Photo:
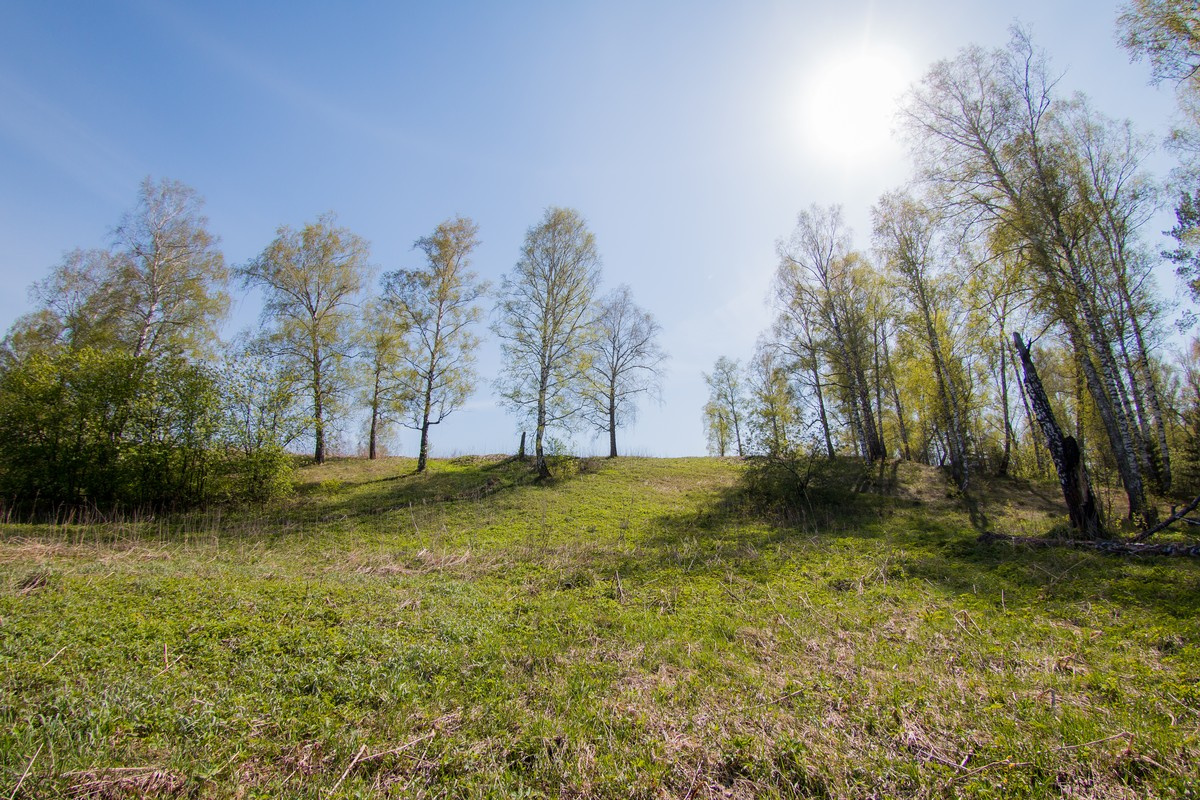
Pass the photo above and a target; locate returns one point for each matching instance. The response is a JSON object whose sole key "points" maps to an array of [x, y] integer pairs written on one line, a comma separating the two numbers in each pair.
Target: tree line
{"points": [[117, 390], [1026, 215]]}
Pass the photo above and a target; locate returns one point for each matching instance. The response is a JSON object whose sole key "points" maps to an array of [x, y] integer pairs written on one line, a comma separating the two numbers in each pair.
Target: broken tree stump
{"points": [[1082, 508]]}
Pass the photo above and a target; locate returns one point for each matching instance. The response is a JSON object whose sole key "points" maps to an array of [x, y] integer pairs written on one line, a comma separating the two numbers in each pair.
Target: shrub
{"points": [[106, 429]]}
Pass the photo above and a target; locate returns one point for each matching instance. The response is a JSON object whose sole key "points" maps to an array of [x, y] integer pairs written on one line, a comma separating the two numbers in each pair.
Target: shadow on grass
{"points": [[772, 506], [353, 494], [914, 518]]}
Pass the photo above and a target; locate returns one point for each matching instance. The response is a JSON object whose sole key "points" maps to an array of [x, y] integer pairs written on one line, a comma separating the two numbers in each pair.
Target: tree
{"points": [[817, 268], [260, 398], [311, 279], [171, 276], [717, 430], [544, 321], [381, 358], [1167, 32], [726, 408], [1186, 232], [261, 406], [1084, 510], [76, 307], [998, 150], [795, 331], [158, 290], [774, 415], [437, 307], [105, 429], [626, 361], [907, 237], [997, 295]]}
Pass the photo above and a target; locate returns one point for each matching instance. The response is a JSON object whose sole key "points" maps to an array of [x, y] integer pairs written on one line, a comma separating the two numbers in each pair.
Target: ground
{"points": [[632, 628]]}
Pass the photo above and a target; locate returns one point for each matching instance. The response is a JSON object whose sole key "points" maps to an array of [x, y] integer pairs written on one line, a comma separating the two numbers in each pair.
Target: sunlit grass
{"points": [[634, 628]]}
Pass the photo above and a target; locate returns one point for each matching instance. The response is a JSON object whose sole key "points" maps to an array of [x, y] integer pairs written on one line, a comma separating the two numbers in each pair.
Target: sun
{"points": [[850, 103]]}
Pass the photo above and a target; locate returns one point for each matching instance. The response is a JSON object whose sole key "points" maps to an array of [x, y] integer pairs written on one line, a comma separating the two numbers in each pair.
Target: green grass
{"points": [[634, 628]]}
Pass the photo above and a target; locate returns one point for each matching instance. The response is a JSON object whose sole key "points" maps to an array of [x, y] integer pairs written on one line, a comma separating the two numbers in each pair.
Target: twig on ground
{"points": [[695, 778], [25, 774], [1121, 735], [168, 666], [47, 662], [1007, 762], [353, 762], [400, 749], [1128, 547], [360, 758]]}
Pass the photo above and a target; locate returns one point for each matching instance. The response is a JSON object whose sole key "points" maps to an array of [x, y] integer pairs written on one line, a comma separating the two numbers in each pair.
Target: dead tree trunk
{"points": [[1082, 507]]}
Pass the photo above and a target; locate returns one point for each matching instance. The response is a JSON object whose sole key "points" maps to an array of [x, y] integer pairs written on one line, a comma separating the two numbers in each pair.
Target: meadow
{"points": [[632, 628]]}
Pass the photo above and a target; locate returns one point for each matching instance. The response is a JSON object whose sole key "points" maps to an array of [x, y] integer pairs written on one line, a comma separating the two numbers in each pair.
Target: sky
{"points": [[689, 134]]}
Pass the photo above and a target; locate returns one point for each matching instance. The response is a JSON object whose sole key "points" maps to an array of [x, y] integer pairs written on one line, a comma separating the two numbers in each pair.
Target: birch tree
{"points": [[170, 274], [626, 362], [381, 357], [544, 323], [907, 239], [311, 279], [438, 306], [157, 290], [989, 137], [725, 411], [817, 268]]}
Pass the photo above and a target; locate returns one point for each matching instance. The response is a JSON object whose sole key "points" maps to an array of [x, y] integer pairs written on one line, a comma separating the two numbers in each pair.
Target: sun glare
{"points": [[850, 103]]}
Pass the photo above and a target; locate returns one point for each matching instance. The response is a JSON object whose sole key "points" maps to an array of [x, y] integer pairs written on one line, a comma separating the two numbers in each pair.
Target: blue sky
{"points": [[684, 132]]}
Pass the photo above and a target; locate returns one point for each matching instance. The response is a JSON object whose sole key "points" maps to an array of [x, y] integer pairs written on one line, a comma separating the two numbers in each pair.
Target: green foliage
{"points": [[258, 476], [544, 323], [774, 420], [311, 278], [158, 290], [1167, 33], [381, 367], [435, 310], [106, 429], [725, 411], [1185, 233]]}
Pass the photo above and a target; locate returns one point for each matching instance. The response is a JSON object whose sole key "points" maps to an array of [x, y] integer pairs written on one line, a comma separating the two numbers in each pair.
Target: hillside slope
{"points": [[637, 628]]}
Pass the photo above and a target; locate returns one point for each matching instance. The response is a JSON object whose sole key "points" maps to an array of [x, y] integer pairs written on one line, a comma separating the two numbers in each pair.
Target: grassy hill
{"points": [[635, 628]]}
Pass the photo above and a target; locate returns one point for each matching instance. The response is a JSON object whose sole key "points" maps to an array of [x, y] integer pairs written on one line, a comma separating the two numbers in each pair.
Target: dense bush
{"points": [[256, 476], [104, 429]]}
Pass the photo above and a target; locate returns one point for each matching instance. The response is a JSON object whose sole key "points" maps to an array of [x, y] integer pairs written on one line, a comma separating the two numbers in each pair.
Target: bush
{"points": [[257, 476], [107, 430]]}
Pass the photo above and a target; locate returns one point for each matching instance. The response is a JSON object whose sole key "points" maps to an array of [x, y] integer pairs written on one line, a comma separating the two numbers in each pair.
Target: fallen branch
{"points": [[695, 779], [1126, 547], [168, 666], [359, 758], [1007, 762], [50, 660], [106, 770], [1178, 515]]}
